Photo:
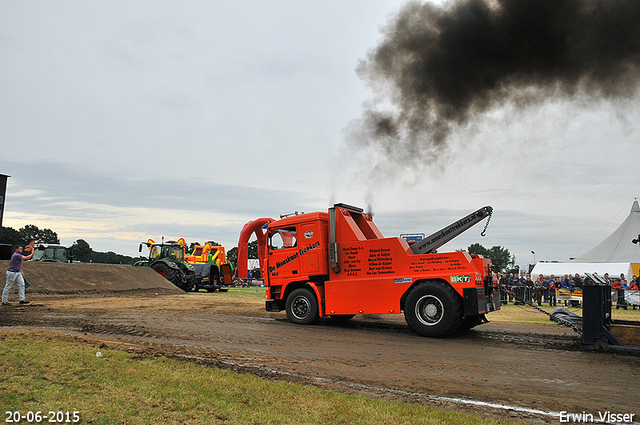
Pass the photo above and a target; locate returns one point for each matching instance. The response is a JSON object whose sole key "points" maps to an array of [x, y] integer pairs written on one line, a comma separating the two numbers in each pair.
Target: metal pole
{"points": [[3, 192]]}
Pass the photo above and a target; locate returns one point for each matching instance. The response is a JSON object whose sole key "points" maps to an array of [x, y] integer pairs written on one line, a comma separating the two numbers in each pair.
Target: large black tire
{"points": [[192, 283], [162, 269], [302, 307], [168, 273], [433, 309]]}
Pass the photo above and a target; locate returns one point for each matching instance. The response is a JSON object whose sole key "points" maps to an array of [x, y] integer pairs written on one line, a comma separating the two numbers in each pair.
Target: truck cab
{"points": [[297, 248]]}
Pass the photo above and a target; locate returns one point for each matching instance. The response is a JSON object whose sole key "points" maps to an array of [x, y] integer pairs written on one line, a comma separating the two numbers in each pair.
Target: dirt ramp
{"points": [[58, 278]]}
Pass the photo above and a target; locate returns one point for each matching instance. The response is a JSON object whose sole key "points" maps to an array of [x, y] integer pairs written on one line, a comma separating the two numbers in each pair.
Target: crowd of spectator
{"points": [[621, 285], [522, 289]]}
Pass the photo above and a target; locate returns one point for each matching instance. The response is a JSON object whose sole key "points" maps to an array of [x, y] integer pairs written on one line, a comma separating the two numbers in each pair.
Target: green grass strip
{"points": [[50, 372]]}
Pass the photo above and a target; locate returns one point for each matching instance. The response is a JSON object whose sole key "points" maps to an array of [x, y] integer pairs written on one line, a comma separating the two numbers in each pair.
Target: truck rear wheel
{"points": [[302, 307], [433, 309]]}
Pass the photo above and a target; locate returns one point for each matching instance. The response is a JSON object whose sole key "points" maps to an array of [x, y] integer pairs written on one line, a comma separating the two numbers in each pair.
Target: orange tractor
{"points": [[338, 264]]}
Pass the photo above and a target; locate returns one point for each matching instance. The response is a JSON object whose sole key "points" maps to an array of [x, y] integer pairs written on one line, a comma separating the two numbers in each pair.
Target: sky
{"points": [[124, 121]]}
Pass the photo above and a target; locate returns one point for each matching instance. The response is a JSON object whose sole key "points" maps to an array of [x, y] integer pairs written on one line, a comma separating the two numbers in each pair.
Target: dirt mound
{"points": [[59, 278]]}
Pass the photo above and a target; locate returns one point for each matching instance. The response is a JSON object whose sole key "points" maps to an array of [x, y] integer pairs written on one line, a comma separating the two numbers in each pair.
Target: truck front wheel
{"points": [[302, 307], [433, 309]]}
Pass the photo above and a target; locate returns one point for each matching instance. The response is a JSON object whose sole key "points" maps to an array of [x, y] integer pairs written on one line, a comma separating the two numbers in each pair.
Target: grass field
{"points": [[56, 374], [249, 292], [61, 375]]}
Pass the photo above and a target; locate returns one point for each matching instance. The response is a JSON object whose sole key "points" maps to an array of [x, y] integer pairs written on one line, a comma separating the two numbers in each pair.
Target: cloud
{"points": [[79, 203], [441, 68]]}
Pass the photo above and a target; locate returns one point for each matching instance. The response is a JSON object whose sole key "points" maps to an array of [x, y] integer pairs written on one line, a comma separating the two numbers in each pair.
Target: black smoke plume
{"points": [[439, 67]]}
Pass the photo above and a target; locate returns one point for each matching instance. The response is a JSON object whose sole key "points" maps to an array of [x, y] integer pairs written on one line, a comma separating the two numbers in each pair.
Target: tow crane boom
{"points": [[444, 235]]}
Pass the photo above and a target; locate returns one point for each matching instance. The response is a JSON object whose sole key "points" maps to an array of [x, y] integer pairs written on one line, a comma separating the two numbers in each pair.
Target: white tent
{"points": [[560, 269], [617, 248]]}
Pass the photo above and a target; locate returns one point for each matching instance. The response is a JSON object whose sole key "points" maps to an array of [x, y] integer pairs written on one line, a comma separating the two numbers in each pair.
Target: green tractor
{"points": [[167, 259], [52, 253]]}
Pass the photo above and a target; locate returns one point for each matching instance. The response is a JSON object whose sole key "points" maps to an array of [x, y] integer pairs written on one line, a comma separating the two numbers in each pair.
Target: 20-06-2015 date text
{"points": [[41, 417]]}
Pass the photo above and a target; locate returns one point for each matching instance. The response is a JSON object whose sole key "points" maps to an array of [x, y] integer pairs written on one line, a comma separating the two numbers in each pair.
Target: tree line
{"points": [[82, 251], [79, 251], [502, 261], [26, 234]]}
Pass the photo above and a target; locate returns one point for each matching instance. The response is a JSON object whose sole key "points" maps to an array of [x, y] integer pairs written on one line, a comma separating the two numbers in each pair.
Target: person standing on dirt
{"points": [[552, 292], [530, 291], [621, 286], [539, 289], [512, 283], [545, 288], [502, 279], [14, 274], [565, 284]]}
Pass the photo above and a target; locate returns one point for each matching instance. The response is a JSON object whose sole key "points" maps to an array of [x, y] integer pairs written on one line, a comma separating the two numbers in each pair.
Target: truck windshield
{"points": [[51, 253], [38, 255], [61, 255], [174, 252], [283, 238]]}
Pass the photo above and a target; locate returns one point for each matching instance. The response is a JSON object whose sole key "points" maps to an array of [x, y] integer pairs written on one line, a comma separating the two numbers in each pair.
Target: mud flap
{"points": [[227, 273], [473, 301], [274, 305]]}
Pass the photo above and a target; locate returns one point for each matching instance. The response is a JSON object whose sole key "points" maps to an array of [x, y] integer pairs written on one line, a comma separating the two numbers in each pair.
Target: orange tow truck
{"points": [[338, 264]]}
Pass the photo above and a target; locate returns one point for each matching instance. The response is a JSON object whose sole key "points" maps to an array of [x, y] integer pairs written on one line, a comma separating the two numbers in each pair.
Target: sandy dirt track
{"points": [[535, 367]]}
